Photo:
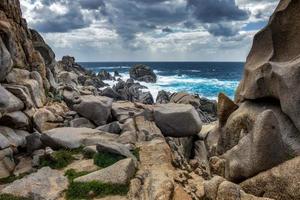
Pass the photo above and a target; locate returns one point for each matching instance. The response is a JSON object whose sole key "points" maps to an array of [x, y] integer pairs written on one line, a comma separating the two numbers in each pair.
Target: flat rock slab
{"points": [[72, 138], [119, 173], [46, 184], [82, 166]]}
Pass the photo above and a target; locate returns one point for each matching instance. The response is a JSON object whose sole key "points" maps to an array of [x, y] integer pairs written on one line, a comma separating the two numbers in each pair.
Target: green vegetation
{"points": [[93, 189], [104, 160], [60, 159], [136, 153], [11, 197], [72, 174], [11, 179]]}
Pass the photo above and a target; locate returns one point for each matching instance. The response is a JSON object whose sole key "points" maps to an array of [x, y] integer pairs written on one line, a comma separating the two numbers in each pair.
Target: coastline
{"points": [[63, 138]]}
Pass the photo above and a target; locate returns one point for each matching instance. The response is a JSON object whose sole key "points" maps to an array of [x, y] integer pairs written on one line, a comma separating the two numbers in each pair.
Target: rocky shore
{"points": [[64, 134]]}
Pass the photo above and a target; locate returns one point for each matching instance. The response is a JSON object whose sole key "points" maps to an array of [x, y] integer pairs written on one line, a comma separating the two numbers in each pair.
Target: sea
{"points": [[207, 79]]}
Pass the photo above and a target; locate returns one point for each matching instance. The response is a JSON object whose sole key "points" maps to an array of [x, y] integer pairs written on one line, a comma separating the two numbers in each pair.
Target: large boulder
{"points": [[45, 184], [272, 68], [281, 182], [118, 173], [44, 120], [114, 148], [16, 120], [95, 108], [142, 73], [177, 120], [73, 138], [9, 102]]}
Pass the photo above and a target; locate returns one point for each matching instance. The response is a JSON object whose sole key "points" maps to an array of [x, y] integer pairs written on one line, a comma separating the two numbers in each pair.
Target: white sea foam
{"points": [[202, 86]]}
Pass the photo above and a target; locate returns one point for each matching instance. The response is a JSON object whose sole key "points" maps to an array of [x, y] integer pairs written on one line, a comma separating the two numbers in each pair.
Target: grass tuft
{"points": [[90, 190], [12, 178], [58, 159], [72, 174], [104, 160], [136, 153], [11, 197]]}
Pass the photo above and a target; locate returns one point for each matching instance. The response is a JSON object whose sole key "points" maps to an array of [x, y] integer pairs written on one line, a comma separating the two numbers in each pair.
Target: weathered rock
{"points": [[24, 166], [68, 78], [104, 75], [44, 49], [146, 98], [5, 60], [81, 123], [46, 184], [142, 73], [259, 150], [96, 109], [144, 129], [163, 97], [272, 67], [72, 138], [114, 148], [82, 166], [15, 138], [121, 110], [45, 120], [37, 95], [16, 120], [6, 162], [242, 121], [33, 142], [8, 102], [22, 93], [225, 108], [154, 179], [185, 98], [177, 120], [281, 182], [118, 173], [113, 127]]}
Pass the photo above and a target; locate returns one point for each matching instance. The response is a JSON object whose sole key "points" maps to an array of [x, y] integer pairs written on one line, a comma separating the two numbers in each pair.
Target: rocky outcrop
{"points": [[281, 182], [72, 138], [142, 73], [46, 184], [272, 68]]}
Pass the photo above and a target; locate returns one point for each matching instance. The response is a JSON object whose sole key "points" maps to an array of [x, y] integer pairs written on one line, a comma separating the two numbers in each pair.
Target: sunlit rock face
{"points": [[273, 65]]}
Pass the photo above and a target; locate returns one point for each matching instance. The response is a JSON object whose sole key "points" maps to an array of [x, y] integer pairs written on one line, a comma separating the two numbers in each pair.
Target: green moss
{"points": [[11, 179], [72, 174], [11, 197], [93, 189], [136, 153], [58, 159], [104, 160]]}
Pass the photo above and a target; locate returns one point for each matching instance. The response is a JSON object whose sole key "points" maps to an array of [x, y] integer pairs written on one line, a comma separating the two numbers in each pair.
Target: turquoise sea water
{"points": [[204, 78]]}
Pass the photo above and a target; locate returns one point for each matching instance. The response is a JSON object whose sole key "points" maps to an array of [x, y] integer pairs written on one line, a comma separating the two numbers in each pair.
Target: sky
{"points": [[149, 30]]}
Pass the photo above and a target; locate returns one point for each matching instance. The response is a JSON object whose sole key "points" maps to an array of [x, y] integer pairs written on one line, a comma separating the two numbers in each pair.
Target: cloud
{"points": [[212, 11], [148, 29]]}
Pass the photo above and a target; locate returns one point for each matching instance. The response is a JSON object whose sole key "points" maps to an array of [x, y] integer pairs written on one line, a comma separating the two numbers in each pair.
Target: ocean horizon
{"points": [[207, 79]]}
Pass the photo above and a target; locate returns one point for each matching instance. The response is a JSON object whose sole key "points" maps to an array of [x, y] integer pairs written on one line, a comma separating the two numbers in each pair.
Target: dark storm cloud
{"points": [[214, 11], [72, 19], [131, 17]]}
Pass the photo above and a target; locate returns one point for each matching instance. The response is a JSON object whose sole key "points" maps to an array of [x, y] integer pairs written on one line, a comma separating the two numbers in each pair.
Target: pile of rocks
{"points": [[48, 106]]}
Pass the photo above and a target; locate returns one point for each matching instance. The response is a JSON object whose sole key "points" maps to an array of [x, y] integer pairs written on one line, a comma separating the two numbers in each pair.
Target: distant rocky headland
{"points": [[64, 134]]}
